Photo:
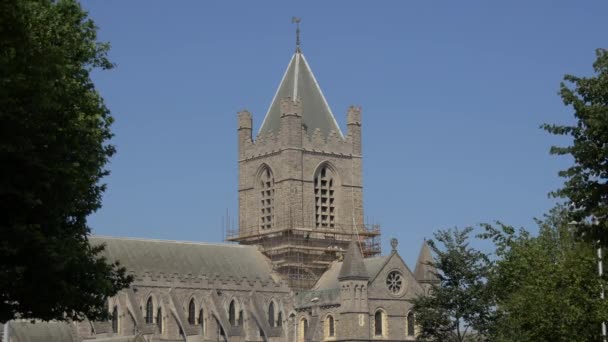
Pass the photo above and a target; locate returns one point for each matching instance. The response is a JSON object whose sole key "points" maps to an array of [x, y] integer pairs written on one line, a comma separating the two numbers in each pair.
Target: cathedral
{"points": [[302, 265]]}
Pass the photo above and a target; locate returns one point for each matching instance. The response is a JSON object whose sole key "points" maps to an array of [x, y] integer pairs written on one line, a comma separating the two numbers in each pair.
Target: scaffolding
{"points": [[301, 252]]}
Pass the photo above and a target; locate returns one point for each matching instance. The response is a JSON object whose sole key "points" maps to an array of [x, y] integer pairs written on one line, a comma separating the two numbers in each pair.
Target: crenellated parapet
{"points": [[293, 133]]}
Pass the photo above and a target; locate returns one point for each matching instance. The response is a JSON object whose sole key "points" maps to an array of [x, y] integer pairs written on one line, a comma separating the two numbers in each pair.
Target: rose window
{"points": [[394, 282]]}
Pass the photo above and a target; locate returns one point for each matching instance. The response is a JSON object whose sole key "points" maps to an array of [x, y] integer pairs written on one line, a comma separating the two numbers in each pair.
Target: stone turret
{"points": [[245, 124], [291, 123], [353, 279], [353, 121]]}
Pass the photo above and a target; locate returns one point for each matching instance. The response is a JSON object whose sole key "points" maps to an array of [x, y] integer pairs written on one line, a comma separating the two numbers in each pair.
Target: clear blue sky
{"points": [[453, 93]]}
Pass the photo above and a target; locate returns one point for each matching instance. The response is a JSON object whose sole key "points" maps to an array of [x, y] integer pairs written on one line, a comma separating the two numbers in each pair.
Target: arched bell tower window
{"points": [[325, 206], [266, 198]]}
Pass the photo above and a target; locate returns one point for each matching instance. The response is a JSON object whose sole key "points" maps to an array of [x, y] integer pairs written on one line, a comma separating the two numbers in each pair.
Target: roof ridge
{"points": [[219, 244]]}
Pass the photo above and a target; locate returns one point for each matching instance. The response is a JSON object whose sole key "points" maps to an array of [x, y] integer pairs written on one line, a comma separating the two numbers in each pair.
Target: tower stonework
{"points": [[300, 180]]}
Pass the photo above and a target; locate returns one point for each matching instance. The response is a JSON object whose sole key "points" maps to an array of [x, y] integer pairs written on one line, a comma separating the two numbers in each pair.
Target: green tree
{"points": [[459, 308], [546, 287], [54, 132], [586, 185]]}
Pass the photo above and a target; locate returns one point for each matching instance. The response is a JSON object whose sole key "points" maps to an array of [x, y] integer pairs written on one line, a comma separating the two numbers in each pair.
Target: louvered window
{"points": [[266, 199], [325, 206]]}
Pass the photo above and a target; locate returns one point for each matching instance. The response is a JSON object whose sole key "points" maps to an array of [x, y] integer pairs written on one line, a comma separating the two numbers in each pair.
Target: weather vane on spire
{"points": [[297, 20]]}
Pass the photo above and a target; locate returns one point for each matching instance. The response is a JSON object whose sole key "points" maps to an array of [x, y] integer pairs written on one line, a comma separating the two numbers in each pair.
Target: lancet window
{"points": [[325, 206], [266, 199]]}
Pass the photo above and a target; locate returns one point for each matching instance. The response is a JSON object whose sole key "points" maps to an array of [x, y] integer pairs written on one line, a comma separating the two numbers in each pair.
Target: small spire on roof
{"points": [[353, 266], [297, 20], [425, 271]]}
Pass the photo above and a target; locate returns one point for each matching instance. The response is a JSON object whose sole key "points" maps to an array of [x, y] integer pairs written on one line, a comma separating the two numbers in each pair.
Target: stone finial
{"points": [[291, 106], [394, 243]]}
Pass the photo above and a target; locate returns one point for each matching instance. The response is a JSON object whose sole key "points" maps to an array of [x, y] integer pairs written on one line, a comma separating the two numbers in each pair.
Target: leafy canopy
{"points": [[460, 307], [546, 287], [54, 132], [586, 185]]}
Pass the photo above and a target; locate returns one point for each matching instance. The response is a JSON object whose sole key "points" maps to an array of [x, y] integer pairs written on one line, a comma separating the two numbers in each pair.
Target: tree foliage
{"points": [[460, 307], [54, 132], [586, 185], [546, 287]]}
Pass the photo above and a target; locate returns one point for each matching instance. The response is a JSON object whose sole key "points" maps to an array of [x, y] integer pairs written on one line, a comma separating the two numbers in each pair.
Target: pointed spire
{"points": [[425, 272], [299, 82], [353, 266]]}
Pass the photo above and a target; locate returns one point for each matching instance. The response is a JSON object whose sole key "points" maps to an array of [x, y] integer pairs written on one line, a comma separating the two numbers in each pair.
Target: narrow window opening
{"points": [[378, 323], [324, 198], [159, 320], [149, 311], [271, 314], [411, 330], [331, 327], [232, 313], [191, 312], [267, 201]]}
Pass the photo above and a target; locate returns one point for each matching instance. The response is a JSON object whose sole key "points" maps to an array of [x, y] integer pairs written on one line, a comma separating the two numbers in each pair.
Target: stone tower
{"points": [[300, 180]]}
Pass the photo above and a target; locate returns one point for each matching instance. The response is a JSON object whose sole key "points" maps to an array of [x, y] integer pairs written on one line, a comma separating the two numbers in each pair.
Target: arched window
{"points": [[379, 323], [159, 320], [325, 206], [115, 320], [241, 317], [271, 314], [280, 319], [411, 324], [232, 313], [191, 312], [302, 329], [149, 311], [201, 320], [330, 326], [266, 199]]}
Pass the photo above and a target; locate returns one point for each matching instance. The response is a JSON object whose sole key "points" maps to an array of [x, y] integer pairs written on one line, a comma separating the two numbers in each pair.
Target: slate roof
{"points": [[299, 81], [353, 266], [197, 259], [329, 279], [425, 272], [323, 297], [25, 331]]}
